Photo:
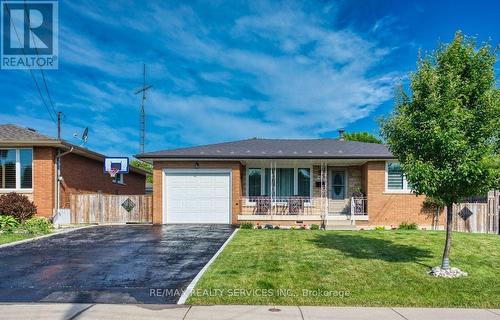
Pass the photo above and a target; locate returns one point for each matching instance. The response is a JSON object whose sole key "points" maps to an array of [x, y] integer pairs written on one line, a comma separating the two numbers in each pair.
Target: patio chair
{"points": [[295, 205], [262, 205]]}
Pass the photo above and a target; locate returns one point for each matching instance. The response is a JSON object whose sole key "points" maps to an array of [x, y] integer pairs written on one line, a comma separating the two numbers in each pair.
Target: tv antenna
{"points": [[143, 114], [84, 138]]}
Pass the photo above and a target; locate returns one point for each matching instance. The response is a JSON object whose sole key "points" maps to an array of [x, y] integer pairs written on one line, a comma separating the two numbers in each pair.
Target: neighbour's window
{"points": [[304, 182], [396, 180], [119, 178], [254, 182], [26, 167], [16, 169]]}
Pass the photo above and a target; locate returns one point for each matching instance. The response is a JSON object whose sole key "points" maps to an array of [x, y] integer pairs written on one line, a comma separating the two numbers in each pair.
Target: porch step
{"points": [[338, 207], [337, 216], [340, 225]]}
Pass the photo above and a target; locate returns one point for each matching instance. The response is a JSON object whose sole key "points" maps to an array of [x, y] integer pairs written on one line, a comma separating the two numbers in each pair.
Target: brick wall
{"points": [[388, 209], [158, 167], [44, 180], [84, 175]]}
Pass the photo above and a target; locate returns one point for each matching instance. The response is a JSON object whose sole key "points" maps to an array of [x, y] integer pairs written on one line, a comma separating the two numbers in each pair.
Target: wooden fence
{"points": [[481, 216], [106, 208]]}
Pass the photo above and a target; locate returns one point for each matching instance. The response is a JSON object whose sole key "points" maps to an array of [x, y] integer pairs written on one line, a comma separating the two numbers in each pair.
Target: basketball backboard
{"points": [[118, 164]]}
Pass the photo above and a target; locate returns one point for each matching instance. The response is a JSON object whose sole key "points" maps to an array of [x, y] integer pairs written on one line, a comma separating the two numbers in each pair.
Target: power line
{"points": [[29, 68], [36, 51]]}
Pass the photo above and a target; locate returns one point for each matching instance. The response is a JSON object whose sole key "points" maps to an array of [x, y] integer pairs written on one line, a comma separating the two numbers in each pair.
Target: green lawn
{"points": [[369, 268], [6, 238]]}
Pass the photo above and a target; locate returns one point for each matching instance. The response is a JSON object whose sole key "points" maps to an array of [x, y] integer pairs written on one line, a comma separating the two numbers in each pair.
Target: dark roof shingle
{"points": [[278, 149], [13, 133]]}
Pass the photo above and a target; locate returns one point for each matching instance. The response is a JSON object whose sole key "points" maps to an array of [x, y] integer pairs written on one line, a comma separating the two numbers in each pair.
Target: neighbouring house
{"points": [[29, 166], [336, 183]]}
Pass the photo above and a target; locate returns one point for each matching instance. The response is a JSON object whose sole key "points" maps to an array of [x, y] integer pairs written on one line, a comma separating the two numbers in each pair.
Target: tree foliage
{"points": [[145, 166], [361, 137], [446, 131]]}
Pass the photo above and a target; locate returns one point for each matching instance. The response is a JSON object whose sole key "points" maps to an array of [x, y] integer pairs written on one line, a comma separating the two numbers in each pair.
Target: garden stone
{"points": [[447, 273]]}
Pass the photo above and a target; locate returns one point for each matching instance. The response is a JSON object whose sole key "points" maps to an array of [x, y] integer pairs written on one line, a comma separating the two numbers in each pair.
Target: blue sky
{"points": [[226, 70]]}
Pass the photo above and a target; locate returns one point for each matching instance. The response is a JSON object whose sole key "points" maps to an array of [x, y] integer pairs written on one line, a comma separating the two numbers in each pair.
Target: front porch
{"points": [[303, 191]]}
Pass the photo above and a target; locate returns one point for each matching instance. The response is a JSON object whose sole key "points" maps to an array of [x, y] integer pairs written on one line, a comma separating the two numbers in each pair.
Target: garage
{"points": [[197, 196]]}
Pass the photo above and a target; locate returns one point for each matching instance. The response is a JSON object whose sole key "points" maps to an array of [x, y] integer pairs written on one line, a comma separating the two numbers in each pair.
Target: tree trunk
{"points": [[449, 228]]}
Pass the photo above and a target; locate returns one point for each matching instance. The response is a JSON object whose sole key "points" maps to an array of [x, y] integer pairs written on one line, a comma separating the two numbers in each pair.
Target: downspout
{"points": [[58, 177]]}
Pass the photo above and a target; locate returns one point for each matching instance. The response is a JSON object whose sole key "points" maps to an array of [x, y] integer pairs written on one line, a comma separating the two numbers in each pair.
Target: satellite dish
{"points": [[84, 138], [85, 135]]}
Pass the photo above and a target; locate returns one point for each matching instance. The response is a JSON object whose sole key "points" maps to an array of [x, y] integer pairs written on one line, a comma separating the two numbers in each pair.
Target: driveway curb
{"points": [[11, 244], [190, 287]]}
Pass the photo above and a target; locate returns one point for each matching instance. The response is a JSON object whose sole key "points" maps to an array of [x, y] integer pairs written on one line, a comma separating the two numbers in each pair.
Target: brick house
{"points": [[28, 165], [336, 183]]}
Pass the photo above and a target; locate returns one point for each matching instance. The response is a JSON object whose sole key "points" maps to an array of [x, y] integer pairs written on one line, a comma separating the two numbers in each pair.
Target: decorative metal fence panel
{"points": [[106, 208]]}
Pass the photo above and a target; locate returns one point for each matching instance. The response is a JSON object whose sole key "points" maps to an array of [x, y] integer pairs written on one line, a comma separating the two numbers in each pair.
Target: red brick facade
{"points": [[44, 178], [386, 208], [80, 175], [85, 175]]}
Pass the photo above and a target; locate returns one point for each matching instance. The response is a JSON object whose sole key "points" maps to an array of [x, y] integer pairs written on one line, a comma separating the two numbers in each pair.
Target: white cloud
{"points": [[319, 82], [308, 78]]}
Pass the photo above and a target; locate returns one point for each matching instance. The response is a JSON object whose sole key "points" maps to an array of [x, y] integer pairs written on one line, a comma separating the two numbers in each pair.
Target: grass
{"points": [[349, 268], [12, 237]]}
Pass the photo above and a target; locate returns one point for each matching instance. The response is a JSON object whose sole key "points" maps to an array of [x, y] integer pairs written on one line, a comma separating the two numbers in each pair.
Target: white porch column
{"points": [[272, 188], [324, 189]]}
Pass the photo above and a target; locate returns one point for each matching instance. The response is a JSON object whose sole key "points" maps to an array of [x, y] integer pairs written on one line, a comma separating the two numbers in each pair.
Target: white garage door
{"points": [[197, 197]]}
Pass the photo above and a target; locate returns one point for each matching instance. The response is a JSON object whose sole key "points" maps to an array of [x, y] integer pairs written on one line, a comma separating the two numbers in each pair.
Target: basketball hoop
{"points": [[113, 171]]}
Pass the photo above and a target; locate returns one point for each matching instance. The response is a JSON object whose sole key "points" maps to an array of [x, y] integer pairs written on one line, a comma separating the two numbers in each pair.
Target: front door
{"points": [[338, 184]]}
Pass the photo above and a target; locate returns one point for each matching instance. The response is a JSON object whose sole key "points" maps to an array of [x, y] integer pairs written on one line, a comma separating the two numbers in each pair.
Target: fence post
{"points": [[100, 207], [496, 211]]}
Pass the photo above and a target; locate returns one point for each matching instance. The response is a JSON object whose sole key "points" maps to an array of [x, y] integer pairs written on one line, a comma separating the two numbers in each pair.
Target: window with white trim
{"points": [[289, 182], [16, 169], [394, 178], [254, 182]]}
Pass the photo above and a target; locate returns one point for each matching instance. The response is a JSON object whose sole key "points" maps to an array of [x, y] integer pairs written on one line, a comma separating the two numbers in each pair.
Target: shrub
{"points": [[17, 205], [38, 225], [8, 223], [246, 225], [314, 227], [408, 226], [379, 228], [292, 228]]}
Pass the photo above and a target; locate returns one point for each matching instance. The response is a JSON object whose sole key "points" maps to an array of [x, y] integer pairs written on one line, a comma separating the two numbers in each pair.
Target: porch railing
{"points": [[290, 205], [358, 206]]}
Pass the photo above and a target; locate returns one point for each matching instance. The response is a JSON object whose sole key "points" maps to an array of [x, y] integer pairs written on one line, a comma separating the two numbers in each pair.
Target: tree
{"points": [[446, 130], [145, 166], [361, 137]]}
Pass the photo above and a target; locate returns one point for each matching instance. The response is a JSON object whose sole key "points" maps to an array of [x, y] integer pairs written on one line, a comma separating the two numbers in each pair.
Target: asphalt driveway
{"points": [[109, 264]]}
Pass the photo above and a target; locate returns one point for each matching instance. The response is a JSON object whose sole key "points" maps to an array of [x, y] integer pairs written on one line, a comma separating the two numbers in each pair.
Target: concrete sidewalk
{"points": [[68, 311]]}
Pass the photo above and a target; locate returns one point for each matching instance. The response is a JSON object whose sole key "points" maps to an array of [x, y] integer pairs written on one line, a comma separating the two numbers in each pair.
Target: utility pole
{"points": [[143, 113], [59, 125]]}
